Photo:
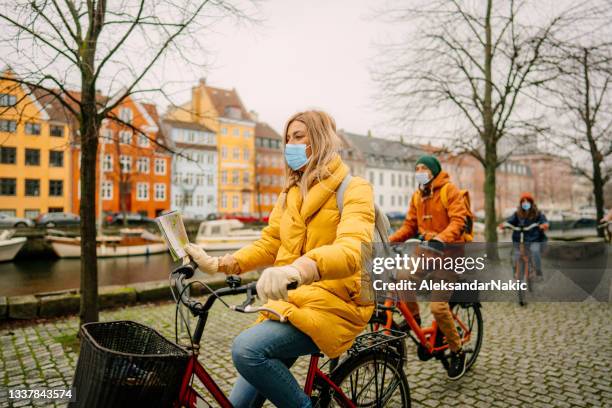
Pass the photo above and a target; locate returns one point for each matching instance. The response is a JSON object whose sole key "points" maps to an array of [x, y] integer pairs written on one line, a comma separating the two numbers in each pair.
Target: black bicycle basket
{"points": [[127, 364]]}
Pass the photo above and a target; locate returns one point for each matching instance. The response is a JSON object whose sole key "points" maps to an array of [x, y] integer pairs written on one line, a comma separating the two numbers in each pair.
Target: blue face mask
{"points": [[526, 205], [295, 154]]}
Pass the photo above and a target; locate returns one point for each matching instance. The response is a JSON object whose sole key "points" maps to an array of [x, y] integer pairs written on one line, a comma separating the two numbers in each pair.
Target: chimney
{"points": [[203, 81], [254, 115]]}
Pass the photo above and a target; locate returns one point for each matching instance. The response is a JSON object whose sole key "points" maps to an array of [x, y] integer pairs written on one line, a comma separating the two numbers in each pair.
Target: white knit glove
{"points": [[206, 263], [273, 282]]}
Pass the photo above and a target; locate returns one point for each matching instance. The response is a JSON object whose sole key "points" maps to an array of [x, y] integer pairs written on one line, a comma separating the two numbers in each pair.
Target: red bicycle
{"points": [[369, 375]]}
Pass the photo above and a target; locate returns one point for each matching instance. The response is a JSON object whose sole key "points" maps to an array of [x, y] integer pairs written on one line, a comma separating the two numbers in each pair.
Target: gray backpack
{"points": [[380, 248]]}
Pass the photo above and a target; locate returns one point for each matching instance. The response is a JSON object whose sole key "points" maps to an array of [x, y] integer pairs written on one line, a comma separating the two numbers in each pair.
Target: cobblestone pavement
{"points": [[544, 355]]}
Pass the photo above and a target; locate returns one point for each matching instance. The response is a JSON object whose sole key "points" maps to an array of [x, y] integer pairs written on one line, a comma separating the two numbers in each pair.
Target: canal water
{"points": [[30, 276]]}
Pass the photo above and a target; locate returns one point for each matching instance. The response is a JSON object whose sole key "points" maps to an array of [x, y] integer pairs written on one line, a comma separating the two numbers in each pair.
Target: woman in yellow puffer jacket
{"points": [[309, 242]]}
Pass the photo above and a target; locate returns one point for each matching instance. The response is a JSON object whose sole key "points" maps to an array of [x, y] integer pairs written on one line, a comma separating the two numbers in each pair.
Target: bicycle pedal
{"points": [[423, 353]]}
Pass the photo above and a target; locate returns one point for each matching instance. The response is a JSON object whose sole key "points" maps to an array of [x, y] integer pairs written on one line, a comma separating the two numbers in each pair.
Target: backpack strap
{"points": [[340, 192], [444, 195]]}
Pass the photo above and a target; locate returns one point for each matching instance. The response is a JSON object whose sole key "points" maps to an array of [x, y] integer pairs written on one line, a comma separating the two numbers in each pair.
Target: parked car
{"points": [[116, 218], [10, 221], [56, 219]]}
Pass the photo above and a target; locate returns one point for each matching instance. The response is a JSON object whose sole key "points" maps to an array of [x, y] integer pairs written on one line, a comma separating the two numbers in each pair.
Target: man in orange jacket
{"points": [[430, 220]]}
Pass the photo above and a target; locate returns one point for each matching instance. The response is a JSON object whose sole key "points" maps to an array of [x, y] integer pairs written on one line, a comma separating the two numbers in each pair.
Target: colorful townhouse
{"points": [[270, 168], [194, 168], [222, 111], [35, 153], [133, 167]]}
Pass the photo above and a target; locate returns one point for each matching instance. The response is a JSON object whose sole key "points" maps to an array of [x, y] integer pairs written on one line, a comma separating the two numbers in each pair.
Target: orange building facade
{"points": [[269, 164], [135, 170]]}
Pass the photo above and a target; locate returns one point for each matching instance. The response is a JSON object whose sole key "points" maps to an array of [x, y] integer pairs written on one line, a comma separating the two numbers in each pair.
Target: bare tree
{"points": [[56, 46], [464, 70], [582, 102]]}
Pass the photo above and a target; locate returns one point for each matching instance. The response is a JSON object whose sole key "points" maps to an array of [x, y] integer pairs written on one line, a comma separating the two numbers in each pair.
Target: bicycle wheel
{"points": [[468, 319], [370, 379]]}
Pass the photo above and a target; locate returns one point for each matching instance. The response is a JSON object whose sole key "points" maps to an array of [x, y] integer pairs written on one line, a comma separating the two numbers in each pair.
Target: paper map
{"points": [[174, 233]]}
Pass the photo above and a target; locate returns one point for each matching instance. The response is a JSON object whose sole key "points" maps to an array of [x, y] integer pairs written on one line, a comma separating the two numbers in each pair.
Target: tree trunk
{"points": [[89, 151], [489, 135]]}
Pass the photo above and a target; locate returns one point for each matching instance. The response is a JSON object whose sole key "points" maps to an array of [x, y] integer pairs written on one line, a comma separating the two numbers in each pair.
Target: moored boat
{"points": [[225, 235], [10, 246], [130, 242]]}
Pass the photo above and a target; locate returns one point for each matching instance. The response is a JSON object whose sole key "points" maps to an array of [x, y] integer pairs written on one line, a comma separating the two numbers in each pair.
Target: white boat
{"points": [[225, 235], [130, 242], [10, 246]]}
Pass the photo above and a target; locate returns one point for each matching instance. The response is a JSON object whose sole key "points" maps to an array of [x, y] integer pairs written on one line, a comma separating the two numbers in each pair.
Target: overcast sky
{"points": [[313, 54]]}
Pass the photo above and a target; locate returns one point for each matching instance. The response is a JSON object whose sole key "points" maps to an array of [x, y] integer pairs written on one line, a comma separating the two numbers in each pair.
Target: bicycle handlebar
{"points": [[186, 271], [520, 229]]}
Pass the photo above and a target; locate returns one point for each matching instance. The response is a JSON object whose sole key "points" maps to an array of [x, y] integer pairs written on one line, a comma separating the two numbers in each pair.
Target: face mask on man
{"points": [[526, 205], [422, 177], [295, 155]]}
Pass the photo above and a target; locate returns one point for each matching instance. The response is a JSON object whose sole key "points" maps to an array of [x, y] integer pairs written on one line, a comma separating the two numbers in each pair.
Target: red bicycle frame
{"points": [[188, 396]]}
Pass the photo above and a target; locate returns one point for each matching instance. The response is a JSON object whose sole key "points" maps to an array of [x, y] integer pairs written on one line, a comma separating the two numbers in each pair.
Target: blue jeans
{"points": [[534, 249], [263, 355]]}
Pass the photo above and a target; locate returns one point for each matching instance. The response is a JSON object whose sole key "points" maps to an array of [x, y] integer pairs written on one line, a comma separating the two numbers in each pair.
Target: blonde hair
{"points": [[324, 145]]}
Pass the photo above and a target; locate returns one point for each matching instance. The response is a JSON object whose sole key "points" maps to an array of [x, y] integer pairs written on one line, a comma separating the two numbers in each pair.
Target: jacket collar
{"points": [[319, 193]]}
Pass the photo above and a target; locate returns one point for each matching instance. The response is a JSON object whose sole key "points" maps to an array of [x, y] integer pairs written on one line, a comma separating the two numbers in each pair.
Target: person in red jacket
{"points": [[429, 219]]}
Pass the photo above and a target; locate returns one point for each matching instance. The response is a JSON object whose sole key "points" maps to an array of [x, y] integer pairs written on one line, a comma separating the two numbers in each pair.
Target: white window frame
{"points": [[107, 190], [160, 166], [125, 137], [160, 191], [107, 163], [143, 165], [125, 163], [140, 189], [126, 115], [143, 140]]}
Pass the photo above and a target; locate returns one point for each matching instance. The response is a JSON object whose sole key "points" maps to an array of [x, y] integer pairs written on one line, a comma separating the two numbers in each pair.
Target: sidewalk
{"points": [[544, 355]]}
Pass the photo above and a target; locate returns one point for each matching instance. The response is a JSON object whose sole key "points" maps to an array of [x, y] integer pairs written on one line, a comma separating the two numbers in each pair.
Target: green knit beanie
{"points": [[432, 164]]}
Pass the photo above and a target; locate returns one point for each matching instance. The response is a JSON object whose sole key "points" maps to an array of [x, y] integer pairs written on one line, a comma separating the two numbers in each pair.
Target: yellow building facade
{"points": [[222, 111], [34, 153]]}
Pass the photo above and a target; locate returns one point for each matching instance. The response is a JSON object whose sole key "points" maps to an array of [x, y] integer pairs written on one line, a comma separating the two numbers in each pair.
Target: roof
{"points": [[223, 99], [262, 129], [187, 125], [382, 152], [56, 111]]}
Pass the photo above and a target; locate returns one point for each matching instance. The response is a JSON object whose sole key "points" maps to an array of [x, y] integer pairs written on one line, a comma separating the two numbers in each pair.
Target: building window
{"points": [[381, 200], [210, 180], [200, 200], [245, 177], [223, 130], [210, 158], [392, 198], [235, 201], [246, 154], [210, 200], [32, 187], [407, 180], [125, 163], [125, 137], [143, 140], [56, 159], [236, 153], [381, 179], [246, 133], [224, 177], [8, 99], [236, 132], [235, 177], [224, 152], [126, 115], [107, 136], [142, 191], [8, 155], [56, 131], [392, 180], [371, 177], [107, 190], [9, 126], [160, 167], [223, 200], [160, 192], [31, 213], [107, 163], [142, 164], [56, 188], [32, 157], [233, 112], [32, 128]]}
